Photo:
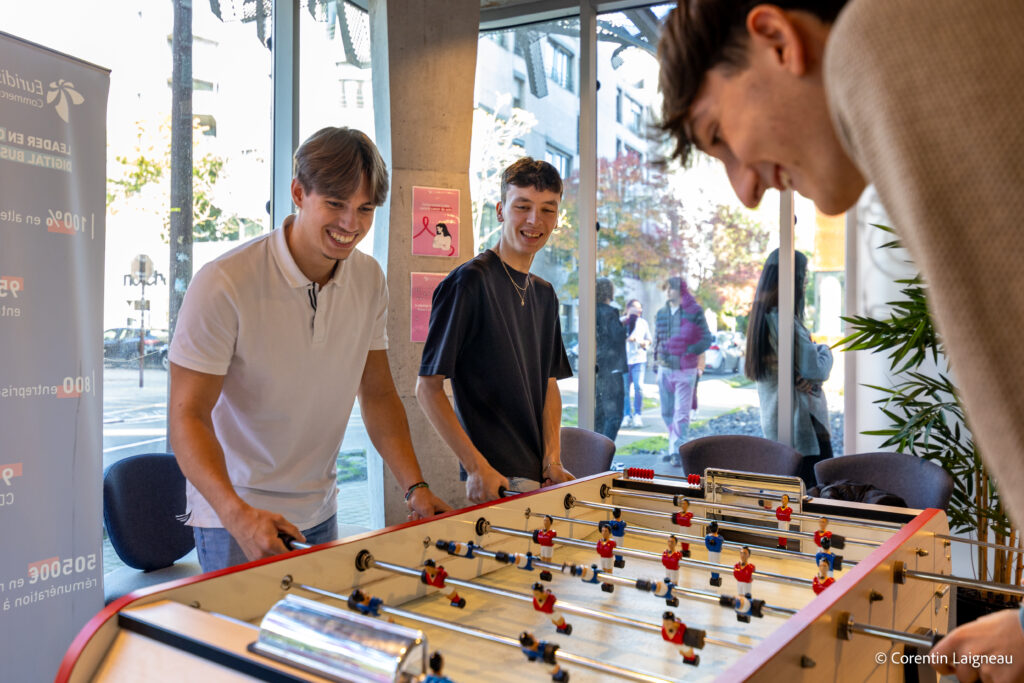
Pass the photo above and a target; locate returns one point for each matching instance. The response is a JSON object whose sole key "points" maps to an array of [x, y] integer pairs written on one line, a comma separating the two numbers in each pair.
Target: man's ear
{"points": [[499, 209], [298, 193], [773, 29]]}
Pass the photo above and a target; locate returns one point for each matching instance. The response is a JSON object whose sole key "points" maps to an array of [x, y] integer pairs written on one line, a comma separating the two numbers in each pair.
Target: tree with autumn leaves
{"points": [[648, 234]]}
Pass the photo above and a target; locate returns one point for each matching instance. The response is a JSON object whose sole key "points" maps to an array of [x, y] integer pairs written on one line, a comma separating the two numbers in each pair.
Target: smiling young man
{"points": [[923, 100], [275, 341], [495, 332]]}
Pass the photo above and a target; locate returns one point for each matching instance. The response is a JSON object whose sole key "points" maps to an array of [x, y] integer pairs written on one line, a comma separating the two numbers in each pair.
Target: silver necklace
{"points": [[521, 291]]}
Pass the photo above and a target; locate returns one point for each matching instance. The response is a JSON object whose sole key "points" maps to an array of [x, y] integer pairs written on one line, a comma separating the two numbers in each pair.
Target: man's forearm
{"points": [[432, 399], [201, 460], [388, 428], [552, 424]]}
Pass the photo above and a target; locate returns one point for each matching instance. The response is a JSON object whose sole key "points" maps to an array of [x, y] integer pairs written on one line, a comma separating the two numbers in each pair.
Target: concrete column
{"points": [[424, 64]]}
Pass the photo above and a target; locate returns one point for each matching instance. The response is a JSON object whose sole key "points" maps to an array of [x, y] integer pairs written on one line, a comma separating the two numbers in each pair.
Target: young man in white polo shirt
{"points": [[274, 342]]}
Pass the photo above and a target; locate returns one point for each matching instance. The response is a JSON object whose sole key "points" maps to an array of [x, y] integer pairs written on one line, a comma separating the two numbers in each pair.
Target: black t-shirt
{"points": [[499, 355]]}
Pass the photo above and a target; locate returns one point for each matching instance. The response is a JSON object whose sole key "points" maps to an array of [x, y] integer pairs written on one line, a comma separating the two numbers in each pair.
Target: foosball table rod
{"points": [[690, 538], [753, 510], [654, 557]]}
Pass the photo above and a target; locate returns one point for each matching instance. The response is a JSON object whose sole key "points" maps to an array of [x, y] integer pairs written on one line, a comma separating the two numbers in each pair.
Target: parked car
{"points": [[725, 355], [121, 345]]}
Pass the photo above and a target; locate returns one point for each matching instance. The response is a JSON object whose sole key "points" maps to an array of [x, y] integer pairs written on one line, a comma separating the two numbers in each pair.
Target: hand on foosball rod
{"points": [[555, 473], [483, 485], [422, 503], [258, 531], [991, 636]]}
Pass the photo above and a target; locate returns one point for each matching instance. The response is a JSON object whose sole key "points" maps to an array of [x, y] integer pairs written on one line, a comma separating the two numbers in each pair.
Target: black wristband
{"points": [[417, 485]]}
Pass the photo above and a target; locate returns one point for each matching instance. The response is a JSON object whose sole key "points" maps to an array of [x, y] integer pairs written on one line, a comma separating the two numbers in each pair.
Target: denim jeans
{"points": [[217, 549], [635, 378]]}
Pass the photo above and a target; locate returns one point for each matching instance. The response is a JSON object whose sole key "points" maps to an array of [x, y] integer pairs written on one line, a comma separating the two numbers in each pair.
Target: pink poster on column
{"points": [[435, 221], [421, 296]]}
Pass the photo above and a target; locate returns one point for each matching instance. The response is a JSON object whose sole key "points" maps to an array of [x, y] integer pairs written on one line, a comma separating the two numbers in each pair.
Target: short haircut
{"points": [[604, 290], [699, 35], [530, 172], [333, 162]]}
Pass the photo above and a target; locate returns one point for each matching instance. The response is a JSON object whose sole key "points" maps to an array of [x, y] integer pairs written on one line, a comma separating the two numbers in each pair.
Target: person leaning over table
{"points": [[816, 95], [495, 333], [275, 341]]}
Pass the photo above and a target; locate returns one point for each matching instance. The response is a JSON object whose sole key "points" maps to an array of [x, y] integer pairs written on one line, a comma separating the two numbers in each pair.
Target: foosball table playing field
{"points": [[622, 576]]}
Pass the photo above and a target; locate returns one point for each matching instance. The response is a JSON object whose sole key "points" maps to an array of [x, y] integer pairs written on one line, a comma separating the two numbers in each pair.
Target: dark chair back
{"points": [[738, 452], [142, 496], [585, 452], [921, 483]]}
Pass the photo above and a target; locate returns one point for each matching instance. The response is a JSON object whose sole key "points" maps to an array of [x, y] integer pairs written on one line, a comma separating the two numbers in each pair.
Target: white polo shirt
{"points": [[291, 373]]}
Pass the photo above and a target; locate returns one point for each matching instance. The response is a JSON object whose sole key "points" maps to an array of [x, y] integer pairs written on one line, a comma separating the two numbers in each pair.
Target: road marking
{"points": [[132, 445]]}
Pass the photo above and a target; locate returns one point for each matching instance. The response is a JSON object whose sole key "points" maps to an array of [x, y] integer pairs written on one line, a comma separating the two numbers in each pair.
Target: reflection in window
{"points": [[559, 159], [561, 65]]}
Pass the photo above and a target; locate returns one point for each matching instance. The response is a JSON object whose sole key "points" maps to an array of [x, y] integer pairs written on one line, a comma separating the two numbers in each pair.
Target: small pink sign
{"points": [[421, 296], [435, 221]]}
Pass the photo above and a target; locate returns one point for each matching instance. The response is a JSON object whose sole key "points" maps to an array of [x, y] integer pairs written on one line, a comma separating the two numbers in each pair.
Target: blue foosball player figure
{"points": [[618, 528], [364, 604], [713, 542], [436, 665], [826, 555], [543, 651]]}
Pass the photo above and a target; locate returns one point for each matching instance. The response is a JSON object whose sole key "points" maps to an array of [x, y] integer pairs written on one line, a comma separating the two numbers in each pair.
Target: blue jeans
{"points": [[217, 549], [633, 377]]}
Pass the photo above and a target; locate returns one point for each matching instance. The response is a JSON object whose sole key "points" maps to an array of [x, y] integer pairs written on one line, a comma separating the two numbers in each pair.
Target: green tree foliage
{"points": [[144, 174]]}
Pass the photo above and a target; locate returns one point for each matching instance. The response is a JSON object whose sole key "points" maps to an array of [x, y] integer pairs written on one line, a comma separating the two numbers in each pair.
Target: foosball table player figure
{"points": [[743, 571], [605, 548], [784, 513], [436, 674], [826, 555], [822, 531], [670, 559], [822, 579], [683, 517], [545, 652], [434, 575], [618, 527], [545, 538], [674, 631], [713, 542], [544, 602]]}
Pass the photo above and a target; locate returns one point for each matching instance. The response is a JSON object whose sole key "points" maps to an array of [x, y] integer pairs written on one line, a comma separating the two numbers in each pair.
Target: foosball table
{"points": [[621, 576]]}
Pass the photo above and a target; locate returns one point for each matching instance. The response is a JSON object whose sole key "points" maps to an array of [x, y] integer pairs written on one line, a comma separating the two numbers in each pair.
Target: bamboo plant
{"points": [[927, 420]]}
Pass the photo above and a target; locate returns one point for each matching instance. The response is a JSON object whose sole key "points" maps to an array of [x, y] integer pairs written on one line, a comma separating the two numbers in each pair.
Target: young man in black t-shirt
{"points": [[495, 333]]}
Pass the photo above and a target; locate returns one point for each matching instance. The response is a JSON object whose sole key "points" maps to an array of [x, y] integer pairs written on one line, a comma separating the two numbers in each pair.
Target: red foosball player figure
{"points": [[434, 575], [822, 531], [605, 547], [822, 580], [675, 631], [544, 601], [436, 665], [670, 559], [683, 518], [743, 571], [545, 538], [545, 652], [784, 513]]}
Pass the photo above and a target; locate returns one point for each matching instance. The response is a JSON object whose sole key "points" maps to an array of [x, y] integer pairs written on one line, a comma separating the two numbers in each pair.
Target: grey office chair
{"points": [[921, 483], [585, 452], [737, 452]]}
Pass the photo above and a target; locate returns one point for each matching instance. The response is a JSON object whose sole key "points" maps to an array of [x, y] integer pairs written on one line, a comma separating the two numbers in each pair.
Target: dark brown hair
{"points": [[699, 35], [760, 360], [530, 172], [333, 162]]}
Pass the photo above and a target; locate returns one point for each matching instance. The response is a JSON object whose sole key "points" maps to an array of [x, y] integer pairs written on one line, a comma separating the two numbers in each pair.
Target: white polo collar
{"points": [[286, 262]]}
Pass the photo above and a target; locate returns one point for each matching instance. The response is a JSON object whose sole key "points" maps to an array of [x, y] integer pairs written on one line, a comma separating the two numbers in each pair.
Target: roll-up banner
{"points": [[52, 205]]}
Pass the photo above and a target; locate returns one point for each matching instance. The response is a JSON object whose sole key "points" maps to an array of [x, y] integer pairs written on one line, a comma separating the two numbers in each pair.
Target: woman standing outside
{"points": [[812, 364], [637, 340]]}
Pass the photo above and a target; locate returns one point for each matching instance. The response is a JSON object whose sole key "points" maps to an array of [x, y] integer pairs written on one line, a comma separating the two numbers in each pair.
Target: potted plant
{"points": [[927, 420]]}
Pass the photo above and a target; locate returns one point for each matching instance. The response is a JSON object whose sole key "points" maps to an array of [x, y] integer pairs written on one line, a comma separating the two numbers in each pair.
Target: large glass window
{"points": [[541, 122], [231, 153]]}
